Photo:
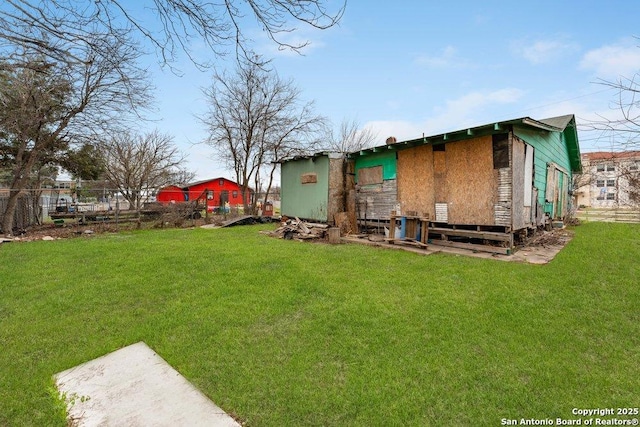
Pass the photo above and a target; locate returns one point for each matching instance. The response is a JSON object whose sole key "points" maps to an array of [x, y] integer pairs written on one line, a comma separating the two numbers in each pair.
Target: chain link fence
{"points": [[61, 207]]}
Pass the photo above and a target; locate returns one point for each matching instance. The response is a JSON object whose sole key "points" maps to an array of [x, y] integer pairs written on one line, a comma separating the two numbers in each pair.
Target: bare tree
{"points": [[136, 165], [633, 179], [624, 128], [350, 137], [56, 28], [46, 106], [615, 175], [256, 119], [628, 182]]}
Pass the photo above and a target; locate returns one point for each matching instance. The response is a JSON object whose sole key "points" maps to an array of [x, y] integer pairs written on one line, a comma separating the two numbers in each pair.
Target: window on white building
{"points": [[600, 183], [611, 196], [611, 183]]}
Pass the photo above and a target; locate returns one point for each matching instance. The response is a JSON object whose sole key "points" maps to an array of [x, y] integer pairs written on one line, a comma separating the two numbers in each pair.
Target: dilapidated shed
{"points": [[485, 183], [313, 187]]}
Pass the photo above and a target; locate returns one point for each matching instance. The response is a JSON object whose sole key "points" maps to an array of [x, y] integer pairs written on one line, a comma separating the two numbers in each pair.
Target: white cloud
{"points": [[468, 110], [448, 57], [613, 61], [310, 39], [543, 51], [401, 129]]}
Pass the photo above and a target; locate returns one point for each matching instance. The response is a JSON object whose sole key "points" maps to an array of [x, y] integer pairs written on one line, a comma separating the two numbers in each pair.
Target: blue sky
{"points": [[411, 67]]}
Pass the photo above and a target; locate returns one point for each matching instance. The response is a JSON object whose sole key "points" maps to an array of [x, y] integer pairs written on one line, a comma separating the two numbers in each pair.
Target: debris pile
{"points": [[555, 237], [296, 229]]}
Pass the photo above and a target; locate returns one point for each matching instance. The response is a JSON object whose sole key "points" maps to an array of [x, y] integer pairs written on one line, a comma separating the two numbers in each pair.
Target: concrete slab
{"points": [[134, 386]]}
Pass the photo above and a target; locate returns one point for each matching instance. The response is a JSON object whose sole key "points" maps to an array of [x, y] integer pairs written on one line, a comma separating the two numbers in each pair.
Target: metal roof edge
{"points": [[470, 132], [329, 154]]}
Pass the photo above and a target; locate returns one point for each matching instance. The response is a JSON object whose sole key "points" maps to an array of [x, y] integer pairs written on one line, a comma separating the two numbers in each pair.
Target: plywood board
{"points": [[416, 180], [440, 176], [309, 178], [519, 220], [471, 187], [371, 175]]}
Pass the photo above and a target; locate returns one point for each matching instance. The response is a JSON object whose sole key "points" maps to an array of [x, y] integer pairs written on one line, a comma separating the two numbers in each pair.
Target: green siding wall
{"points": [[307, 201], [386, 159], [550, 147]]}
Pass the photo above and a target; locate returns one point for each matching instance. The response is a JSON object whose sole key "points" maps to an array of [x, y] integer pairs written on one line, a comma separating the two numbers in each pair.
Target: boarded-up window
{"points": [[372, 175], [528, 174], [501, 151], [439, 162], [552, 182], [309, 178]]}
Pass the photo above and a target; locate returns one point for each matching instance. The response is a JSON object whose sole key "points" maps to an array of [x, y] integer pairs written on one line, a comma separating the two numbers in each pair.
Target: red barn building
{"points": [[171, 194], [218, 193]]}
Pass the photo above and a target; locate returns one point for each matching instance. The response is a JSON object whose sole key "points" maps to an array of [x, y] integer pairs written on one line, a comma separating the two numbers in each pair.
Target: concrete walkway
{"points": [[134, 386]]}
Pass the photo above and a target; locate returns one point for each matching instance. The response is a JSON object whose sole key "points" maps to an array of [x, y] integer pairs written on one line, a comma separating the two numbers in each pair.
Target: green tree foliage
{"points": [[85, 162], [48, 107], [33, 98]]}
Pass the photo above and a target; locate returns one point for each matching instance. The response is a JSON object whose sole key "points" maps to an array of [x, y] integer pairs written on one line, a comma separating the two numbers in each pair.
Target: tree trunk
{"points": [[21, 176], [9, 213], [266, 194]]}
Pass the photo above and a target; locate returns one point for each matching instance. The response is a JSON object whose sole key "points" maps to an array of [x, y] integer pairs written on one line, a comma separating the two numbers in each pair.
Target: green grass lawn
{"points": [[283, 333]]}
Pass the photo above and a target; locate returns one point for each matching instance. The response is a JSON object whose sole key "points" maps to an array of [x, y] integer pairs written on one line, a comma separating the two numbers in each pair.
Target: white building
{"points": [[609, 180]]}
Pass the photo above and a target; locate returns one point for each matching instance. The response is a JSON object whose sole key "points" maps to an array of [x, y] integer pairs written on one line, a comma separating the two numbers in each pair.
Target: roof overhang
{"points": [[329, 154], [564, 124]]}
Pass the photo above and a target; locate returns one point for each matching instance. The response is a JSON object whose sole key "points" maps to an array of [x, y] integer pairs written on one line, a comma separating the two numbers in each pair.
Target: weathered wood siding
{"points": [[376, 201], [525, 198], [502, 208], [416, 180], [550, 148]]}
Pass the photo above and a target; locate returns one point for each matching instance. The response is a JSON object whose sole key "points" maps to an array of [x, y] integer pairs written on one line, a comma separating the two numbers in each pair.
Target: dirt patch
{"points": [[53, 232], [72, 229]]}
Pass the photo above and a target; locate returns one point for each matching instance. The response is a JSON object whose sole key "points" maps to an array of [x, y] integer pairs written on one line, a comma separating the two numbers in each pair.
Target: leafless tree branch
{"points": [[139, 164], [175, 27], [256, 119]]}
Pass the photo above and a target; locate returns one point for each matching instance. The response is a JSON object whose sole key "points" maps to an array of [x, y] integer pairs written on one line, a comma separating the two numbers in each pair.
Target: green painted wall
{"points": [[385, 159], [307, 201], [550, 147]]}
